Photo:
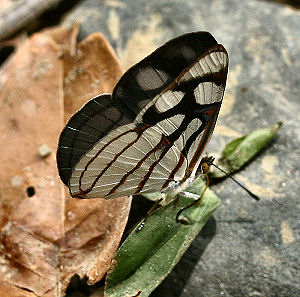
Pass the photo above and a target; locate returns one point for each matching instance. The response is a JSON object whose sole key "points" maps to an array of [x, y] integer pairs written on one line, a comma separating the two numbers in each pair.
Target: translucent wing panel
{"points": [[90, 124], [127, 161], [141, 83]]}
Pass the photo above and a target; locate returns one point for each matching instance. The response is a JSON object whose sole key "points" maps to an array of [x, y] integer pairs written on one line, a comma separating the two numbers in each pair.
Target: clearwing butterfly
{"points": [[149, 134]]}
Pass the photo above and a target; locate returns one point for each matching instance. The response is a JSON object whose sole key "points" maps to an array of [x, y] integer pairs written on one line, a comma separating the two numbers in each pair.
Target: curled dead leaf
{"points": [[47, 237]]}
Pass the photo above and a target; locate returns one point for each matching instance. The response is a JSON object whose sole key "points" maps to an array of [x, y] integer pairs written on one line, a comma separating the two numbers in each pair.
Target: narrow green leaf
{"points": [[241, 151], [232, 146], [148, 256]]}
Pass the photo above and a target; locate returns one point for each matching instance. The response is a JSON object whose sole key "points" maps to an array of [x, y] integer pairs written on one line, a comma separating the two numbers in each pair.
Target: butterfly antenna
{"points": [[236, 181]]}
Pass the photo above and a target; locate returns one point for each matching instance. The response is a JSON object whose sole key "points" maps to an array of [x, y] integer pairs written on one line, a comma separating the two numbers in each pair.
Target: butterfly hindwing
{"points": [[84, 129], [128, 160]]}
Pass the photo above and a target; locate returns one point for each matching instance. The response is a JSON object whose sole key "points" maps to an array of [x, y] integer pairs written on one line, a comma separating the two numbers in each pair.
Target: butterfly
{"points": [[149, 134]]}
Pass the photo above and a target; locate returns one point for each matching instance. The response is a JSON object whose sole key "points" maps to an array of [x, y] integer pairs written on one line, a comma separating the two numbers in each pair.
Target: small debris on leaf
{"points": [[44, 151]]}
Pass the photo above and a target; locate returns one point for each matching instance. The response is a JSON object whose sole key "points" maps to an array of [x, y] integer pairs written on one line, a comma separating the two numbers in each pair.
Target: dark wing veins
{"points": [[187, 107]]}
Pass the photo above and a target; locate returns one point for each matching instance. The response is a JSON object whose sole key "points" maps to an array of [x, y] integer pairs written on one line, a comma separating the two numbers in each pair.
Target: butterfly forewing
{"points": [[186, 111], [142, 82], [168, 103]]}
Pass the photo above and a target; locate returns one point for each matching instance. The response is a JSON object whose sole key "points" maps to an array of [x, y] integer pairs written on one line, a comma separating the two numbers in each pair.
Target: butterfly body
{"points": [[149, 135]]}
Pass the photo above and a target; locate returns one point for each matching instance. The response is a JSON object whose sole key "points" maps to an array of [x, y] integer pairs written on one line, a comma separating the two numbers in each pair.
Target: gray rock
{"points": [[248, 248]]}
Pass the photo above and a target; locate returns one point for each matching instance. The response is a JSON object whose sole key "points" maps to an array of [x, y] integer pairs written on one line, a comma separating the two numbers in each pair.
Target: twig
{"points": [[22, 14]]}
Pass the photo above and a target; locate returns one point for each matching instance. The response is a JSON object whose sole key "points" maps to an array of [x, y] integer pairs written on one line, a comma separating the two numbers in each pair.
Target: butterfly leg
{"points": [[197, 201], [153, 207]]}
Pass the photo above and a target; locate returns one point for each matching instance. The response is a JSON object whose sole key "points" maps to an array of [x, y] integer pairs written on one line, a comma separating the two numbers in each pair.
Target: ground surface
{"points": [[247, 248]]}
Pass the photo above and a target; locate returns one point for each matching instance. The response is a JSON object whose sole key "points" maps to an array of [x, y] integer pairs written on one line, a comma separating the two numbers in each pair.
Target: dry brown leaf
{"points": [[85, 75], [66, 38], [46, 236], [7, 290]]}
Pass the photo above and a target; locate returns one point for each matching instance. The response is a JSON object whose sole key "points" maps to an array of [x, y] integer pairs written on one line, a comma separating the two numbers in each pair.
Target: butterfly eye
{"points": [[205, 168]]}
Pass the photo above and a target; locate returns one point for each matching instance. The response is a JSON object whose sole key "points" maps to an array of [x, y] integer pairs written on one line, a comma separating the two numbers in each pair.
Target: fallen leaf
{"points": [[240, 151], [89, 73], [46, 236], [147, 257]]}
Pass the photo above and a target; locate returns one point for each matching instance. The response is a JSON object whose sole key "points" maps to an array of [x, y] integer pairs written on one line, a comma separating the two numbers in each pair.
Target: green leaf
{"points": [[241, 151], [232, 146], [148, 256]]}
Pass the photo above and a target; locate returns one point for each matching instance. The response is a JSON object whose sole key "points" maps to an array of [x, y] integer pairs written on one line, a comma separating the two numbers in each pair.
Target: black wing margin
{"points": [[85, 128], [142, 82]]}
